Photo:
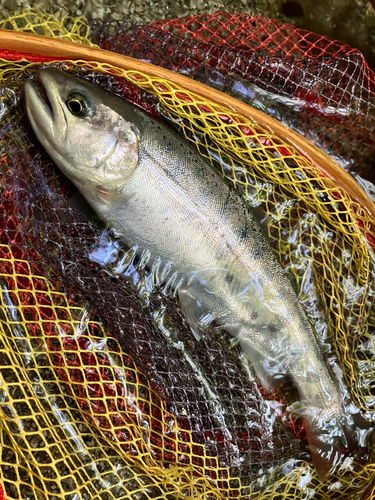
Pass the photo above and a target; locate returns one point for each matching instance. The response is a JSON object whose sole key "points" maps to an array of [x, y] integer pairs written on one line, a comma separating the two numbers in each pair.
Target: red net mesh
{"points": [[319, 87]]}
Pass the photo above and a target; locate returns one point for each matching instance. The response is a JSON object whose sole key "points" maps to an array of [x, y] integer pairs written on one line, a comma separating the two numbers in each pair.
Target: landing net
{"points": [[104, 391]]}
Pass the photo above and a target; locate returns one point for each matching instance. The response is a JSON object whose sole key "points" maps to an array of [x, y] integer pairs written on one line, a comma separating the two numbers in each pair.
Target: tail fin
{"points": [[325, 457], [330, 441]]}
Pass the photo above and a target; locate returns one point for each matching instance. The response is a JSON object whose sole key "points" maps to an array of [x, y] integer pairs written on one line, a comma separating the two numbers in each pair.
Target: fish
{"points": [[145, 181]]}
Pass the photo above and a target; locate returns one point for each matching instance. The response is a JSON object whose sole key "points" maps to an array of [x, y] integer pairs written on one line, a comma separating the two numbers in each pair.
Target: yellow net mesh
{"points": [[72, 29], [69, 393], [63, 381]]}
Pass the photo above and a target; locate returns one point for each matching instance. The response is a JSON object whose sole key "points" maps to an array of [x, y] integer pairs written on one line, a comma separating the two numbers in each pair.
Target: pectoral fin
{"points": [[269, 361], [111, 196]]}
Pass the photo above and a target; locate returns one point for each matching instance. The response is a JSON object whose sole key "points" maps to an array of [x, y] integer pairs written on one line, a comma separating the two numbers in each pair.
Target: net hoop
{"points": [[26, 46]]}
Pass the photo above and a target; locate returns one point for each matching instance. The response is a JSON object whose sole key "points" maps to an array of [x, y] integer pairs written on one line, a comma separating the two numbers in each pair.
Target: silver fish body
{"points": [[146, 182]]}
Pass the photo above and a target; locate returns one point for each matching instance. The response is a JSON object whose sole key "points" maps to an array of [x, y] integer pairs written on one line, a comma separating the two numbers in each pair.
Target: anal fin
{"points": [[197, 316], [257, 358]]}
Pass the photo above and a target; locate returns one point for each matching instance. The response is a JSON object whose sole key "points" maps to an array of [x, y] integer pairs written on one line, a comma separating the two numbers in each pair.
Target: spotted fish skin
{"points": [[145, 181]]}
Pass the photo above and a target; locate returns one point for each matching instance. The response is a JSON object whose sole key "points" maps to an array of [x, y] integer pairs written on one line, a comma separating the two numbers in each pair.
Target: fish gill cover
{"points": [[105, 393]]}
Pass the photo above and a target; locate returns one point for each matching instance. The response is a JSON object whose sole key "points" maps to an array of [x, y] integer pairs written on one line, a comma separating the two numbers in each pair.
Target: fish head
{"points": [[79, 126]]}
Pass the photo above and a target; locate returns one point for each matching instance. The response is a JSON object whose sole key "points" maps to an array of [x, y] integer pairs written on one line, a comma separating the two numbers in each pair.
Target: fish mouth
{"points": [[44, 109], [38, 105], [42, 94]]}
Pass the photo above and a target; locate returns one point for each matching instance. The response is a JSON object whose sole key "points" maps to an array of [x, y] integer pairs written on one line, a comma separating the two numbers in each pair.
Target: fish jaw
{"points": [[48, 124], [39, 113], [50, 83]]}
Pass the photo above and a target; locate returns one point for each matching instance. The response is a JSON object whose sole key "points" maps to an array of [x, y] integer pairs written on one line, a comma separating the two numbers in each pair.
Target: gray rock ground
{"points": [[352, 21]]}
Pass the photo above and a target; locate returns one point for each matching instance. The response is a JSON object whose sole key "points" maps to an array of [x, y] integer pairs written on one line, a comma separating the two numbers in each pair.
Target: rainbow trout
{"points": [[145, 181]]}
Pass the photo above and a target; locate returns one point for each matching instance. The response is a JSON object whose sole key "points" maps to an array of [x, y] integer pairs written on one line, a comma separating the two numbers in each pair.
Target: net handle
{"points": [[38, 45]]}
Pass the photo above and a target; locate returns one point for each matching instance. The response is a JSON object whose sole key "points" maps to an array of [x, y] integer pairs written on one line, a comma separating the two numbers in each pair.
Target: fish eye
{"points": [[77, 105]]}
